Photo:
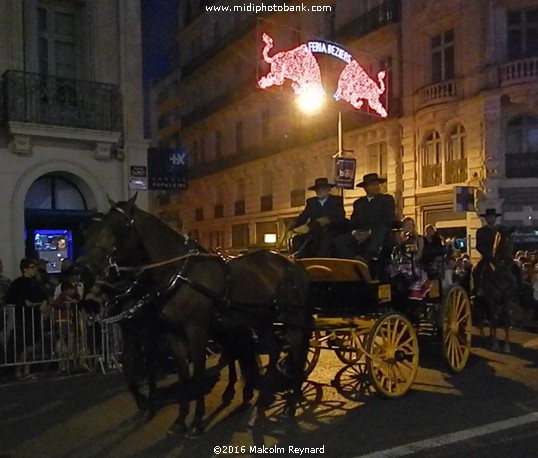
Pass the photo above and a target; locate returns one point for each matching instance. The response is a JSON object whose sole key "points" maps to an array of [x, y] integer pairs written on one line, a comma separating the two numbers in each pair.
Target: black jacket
{"points": [[332, 209], [485, 239], [377, 215]]}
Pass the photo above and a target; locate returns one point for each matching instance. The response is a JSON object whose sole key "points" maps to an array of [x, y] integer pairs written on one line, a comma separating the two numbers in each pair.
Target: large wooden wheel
{"points": [[456, 328], [393, 355], [351, 344]]}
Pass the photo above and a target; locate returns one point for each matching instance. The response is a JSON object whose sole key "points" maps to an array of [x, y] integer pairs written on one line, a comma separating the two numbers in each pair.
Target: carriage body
{"points": [[374, 324]]}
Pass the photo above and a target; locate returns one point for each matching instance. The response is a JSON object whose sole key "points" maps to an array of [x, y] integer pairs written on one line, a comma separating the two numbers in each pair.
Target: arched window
{"points": [[522, 147], [52, 192], [432, 167], [456, 157]]}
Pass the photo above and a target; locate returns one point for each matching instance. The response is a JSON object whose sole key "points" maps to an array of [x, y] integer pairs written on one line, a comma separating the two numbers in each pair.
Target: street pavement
{"points": [[488, 410]]}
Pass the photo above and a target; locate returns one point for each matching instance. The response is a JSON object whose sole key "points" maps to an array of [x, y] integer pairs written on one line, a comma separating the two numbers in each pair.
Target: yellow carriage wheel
{"points": [[456, 328], [313, 353], [350, 343], [393, 355]]}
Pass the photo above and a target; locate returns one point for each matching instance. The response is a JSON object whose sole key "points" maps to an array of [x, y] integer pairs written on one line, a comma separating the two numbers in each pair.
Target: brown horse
{"points": [[499, 295], [197, 290]]}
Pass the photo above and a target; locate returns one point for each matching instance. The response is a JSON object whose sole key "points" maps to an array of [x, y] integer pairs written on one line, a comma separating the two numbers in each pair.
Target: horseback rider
{"points": [[485, 240], [326, 219], [371, 222]]}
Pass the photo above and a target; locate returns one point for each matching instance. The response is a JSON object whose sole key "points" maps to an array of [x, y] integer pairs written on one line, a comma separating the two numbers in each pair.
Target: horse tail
{"points": [[268, 45]]}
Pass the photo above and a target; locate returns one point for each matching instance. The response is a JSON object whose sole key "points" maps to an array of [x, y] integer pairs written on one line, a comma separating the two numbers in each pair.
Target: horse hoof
{"points": [[495, 347], [194, 432], [506, 348], [176, 428]]}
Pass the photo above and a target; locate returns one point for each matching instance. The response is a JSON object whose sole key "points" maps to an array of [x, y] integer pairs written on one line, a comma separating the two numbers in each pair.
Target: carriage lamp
{"points": [[269, 238]]}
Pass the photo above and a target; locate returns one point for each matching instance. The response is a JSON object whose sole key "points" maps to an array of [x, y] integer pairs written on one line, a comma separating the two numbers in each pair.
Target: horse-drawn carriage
{"points": [[179, 290], [368, 322]]}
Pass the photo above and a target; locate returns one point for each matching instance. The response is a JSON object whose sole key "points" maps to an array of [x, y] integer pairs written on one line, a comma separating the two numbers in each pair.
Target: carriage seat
{"points": [[336, 270]]}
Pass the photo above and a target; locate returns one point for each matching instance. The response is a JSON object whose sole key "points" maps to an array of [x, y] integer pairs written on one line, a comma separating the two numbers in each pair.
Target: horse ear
{"points": [[111, 201], [132, 200]]}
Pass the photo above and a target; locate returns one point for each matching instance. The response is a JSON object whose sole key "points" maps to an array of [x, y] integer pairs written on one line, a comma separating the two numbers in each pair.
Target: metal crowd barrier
{"points": [[74, 339]]}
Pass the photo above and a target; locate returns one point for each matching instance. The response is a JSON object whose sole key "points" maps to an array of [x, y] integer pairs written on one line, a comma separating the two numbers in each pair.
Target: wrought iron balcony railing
{"points": [[55, 101], [432, 175], [519, 71], [521, 165], [456, 171], [387, 12]]}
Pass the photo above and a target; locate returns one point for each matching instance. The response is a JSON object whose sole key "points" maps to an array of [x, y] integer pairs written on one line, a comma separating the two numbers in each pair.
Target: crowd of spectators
{"points": [[46, 315]]}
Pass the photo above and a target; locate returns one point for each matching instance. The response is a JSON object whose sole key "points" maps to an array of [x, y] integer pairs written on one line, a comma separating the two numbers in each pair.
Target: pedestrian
{"points": [[63, 324], [29, 300]]}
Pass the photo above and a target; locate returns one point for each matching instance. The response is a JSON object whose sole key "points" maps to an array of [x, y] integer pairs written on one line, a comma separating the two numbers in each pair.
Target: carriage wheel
{"points": [[350, 342], [313, 353], [393, 347], [457, 322]]}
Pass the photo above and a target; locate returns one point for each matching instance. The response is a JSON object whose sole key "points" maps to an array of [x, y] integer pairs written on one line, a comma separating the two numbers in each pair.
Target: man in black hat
{"points": [[371, 222], [325, 216], [485, 240]]}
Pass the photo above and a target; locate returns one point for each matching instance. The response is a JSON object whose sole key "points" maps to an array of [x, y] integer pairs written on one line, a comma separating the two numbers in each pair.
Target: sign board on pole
{"points": [[464, 199], [138, 179], [344, 172], [167, 169]]}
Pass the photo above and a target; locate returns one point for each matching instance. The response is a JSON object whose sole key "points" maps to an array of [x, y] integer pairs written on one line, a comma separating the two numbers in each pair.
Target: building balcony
{"points": [[236, 93], [521, 166], [54, 101], [456, 171], [519, 71], [432, 175], [387, 12], [446, 91]]}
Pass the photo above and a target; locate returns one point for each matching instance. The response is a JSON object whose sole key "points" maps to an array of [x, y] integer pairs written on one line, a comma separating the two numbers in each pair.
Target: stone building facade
{"points": [[462, 101], [70, 115]]}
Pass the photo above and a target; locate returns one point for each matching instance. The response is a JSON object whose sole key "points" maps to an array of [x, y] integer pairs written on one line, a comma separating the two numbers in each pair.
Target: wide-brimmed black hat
{"points": [[370, 178], [490, 212], [321, 183]]}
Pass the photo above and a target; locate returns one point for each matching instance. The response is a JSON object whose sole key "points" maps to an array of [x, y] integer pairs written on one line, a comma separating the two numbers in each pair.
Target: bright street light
{"points": [[311, 100]]}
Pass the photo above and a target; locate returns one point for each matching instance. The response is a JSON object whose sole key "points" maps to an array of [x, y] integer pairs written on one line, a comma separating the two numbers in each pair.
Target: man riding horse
{"points": [[485, 241], [325, 216]]}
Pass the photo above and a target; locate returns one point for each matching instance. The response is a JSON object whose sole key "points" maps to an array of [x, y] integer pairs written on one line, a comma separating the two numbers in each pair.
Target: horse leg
{"points": [[179, 350], [298, 340], [151, 369], [507, 323], [249, 369], [198, 346], [131, 349], [229, 392], [266, 389]]}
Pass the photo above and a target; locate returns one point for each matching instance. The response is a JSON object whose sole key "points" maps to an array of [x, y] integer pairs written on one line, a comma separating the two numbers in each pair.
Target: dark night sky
{"points": [[159, 32]]}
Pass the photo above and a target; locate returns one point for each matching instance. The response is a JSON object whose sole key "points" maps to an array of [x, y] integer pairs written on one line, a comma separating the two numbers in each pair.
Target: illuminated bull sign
{"points": [[300, 66]]}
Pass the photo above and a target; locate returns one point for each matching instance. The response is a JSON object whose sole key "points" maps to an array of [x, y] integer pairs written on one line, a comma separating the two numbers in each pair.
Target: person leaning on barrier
{"points": [[63, 323], [326, 218], [29, 300], [370, 224]]}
